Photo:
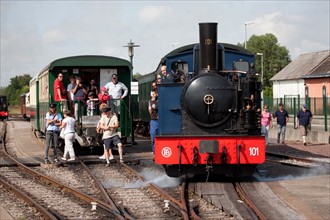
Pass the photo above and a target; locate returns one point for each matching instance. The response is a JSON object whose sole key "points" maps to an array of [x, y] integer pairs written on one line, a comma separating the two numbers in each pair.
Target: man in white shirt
{"points": [[117, 91]]}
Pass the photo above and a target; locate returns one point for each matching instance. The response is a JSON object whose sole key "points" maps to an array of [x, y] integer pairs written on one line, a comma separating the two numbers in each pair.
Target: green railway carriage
{"points": [[145, 82], [87, 67]]}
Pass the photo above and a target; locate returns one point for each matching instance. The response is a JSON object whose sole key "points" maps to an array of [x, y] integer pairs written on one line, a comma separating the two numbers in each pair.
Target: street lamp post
{"points": [[262, 73], [246, 24], [130, 45]]}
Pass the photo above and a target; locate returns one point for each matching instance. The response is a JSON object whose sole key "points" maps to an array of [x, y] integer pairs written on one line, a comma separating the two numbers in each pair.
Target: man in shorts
{"points": [[304, 120], [109, 125]]}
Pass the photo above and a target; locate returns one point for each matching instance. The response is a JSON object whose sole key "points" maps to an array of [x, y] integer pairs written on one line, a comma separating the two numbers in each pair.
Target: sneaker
{"points": [[72, 159], [102, 157], [47, 161], [56, 161], [278, 141], [305, 144], [63, 158], [108, 164], [111, 157], [121, 160]]}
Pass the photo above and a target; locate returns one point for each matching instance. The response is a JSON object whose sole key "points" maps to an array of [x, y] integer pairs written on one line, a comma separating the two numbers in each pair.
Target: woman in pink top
{"points": [[266, 122]]}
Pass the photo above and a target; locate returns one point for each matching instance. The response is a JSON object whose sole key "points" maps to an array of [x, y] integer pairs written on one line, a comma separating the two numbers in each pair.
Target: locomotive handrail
{"points": [[232, 71]]}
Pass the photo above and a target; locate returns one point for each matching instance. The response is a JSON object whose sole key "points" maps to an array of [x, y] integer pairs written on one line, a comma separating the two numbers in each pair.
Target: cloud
{"points": [[294, 31], [152, 13], [53, 36]]}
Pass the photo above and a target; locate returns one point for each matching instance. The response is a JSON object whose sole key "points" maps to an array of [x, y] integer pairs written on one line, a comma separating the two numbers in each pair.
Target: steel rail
{"points": [[175, 203], [106, 208], [240, 191], [45, 213], [287, 157], [104, 194], [184, 197]]}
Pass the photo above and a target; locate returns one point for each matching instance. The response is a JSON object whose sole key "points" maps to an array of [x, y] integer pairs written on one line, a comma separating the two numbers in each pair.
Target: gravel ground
{"points": [[294, 148]]}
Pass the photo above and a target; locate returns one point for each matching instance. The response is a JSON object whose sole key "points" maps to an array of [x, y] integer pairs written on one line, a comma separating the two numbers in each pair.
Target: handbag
{"points": [[62, 135]]}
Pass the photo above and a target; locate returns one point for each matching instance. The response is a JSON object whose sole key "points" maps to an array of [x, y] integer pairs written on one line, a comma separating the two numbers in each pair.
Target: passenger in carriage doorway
{"points": [[69, 89], [93, 88], [91, 104], [79, 92], [59, 90], [117, 91], [60, 94], [103, 96], [282, 119]]}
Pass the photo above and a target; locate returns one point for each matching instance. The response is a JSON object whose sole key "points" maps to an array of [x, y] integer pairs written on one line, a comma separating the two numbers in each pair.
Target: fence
{"points": [[319, 107]]}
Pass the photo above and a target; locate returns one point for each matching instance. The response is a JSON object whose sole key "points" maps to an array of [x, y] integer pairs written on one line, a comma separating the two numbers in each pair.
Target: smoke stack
{"points": [[208, 54]]}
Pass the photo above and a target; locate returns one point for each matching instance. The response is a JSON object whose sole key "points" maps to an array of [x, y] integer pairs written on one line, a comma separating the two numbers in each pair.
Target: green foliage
{"points": [[18, 86], [136, 76], [275, 56], [268, 91], [2, 91]]}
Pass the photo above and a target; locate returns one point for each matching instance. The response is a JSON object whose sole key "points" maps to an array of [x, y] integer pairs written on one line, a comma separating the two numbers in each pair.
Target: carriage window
{"points": [[241, 66], [179, 65]]}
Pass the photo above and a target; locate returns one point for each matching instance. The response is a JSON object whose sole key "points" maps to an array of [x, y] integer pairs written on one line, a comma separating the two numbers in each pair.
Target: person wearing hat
{"points": [[103, 96], [109, 125], [304, 120], [53, 121], [117, 91]]}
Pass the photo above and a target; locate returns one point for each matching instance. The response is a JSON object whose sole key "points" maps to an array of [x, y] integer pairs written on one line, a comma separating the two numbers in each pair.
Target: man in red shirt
{"points": [[59, 90]]}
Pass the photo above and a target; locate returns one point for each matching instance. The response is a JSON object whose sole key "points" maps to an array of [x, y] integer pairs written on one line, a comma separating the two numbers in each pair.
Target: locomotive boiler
{"points": [[210, 122]]}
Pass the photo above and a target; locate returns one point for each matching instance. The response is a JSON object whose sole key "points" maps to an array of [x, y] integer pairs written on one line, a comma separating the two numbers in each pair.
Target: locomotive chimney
{"points": [[208, 53]]}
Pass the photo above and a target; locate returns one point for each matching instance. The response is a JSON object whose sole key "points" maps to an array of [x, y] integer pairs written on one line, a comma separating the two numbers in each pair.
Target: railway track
{"points": [[297, 161], [31, 183]]}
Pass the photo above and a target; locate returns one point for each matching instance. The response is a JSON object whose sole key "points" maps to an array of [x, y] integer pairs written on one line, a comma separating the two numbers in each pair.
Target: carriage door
{"points": [[105, 76]]}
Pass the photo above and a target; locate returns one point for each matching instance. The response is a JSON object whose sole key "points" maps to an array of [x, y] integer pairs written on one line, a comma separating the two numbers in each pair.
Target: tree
{"points": [[275, 56], [18, 86], [136, 76]]}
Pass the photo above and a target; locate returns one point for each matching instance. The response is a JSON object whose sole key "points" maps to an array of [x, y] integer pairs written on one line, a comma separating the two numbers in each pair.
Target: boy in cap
{"points": [[304, 120], [109, 125]]}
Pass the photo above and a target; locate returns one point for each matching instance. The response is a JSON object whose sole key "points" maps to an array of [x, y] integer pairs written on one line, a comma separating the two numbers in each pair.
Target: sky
{"points": [[35, 33]]}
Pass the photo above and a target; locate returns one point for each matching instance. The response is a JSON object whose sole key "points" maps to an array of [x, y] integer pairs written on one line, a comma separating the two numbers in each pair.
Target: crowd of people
{"points": [[108, 124], [65, 128], [303, 120]]}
